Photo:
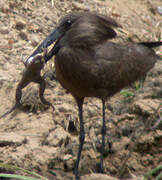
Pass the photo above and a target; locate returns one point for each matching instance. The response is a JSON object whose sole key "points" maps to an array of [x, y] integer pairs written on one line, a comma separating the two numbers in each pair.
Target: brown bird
{"points": [[88, 64]]}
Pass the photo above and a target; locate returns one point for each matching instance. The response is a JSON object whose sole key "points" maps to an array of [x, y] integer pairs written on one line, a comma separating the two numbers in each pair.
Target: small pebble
{"points": [[19, 25], [159, 10]]}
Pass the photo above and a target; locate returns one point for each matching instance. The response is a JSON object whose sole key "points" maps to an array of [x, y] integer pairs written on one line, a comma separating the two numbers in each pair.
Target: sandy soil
{"points": [[43, 141]]}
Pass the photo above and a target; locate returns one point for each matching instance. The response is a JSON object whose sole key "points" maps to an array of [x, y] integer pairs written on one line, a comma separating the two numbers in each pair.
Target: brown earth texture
{"points": [[44, 141]]}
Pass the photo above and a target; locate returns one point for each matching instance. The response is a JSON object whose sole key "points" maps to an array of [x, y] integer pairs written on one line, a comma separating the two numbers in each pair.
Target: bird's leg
{"points": [[103, 132], [82, 135]]}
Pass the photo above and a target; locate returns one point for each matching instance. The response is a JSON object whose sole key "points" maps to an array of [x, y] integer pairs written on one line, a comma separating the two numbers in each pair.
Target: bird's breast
{"points": [[76, 70]]}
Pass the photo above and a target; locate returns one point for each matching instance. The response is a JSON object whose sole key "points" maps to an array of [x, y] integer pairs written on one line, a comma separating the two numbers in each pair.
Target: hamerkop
{"points": [[88, 64]]}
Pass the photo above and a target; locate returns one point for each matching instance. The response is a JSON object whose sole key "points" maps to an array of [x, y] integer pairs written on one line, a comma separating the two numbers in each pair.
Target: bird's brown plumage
{"points": [[88, 65]]}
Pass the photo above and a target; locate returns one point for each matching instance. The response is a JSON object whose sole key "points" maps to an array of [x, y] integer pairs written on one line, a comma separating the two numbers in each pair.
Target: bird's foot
{"points": [[76, 175], [100, 168], [110, 148]]}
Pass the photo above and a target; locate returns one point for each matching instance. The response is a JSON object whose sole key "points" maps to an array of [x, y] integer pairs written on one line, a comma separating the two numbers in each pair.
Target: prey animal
{"points": [[33, 67]]}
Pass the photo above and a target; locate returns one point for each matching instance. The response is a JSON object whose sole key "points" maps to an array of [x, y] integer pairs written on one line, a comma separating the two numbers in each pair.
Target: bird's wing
{"points": [[123, 63]]}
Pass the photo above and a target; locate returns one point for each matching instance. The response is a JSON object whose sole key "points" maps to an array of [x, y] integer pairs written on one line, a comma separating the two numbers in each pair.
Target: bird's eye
{"points": [[68, 22]]}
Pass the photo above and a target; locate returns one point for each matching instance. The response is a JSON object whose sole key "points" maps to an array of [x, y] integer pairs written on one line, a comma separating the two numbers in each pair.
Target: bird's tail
{"points": [[151, 44]]}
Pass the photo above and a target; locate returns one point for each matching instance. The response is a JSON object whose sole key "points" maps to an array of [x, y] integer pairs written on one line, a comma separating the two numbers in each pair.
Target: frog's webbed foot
{"points": [[10, 111], [19, 88], [42, 87]]}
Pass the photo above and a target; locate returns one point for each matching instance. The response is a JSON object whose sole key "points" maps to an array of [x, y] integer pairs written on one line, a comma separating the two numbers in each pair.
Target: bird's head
{"points": [[79, 29]]}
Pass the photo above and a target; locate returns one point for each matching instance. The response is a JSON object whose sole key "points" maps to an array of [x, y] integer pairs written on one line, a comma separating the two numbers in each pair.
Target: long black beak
{"points": [[51, 38]]}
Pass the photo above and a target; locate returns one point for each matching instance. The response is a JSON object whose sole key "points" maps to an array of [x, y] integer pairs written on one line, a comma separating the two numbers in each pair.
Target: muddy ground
{"points": [[42, 140]]}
